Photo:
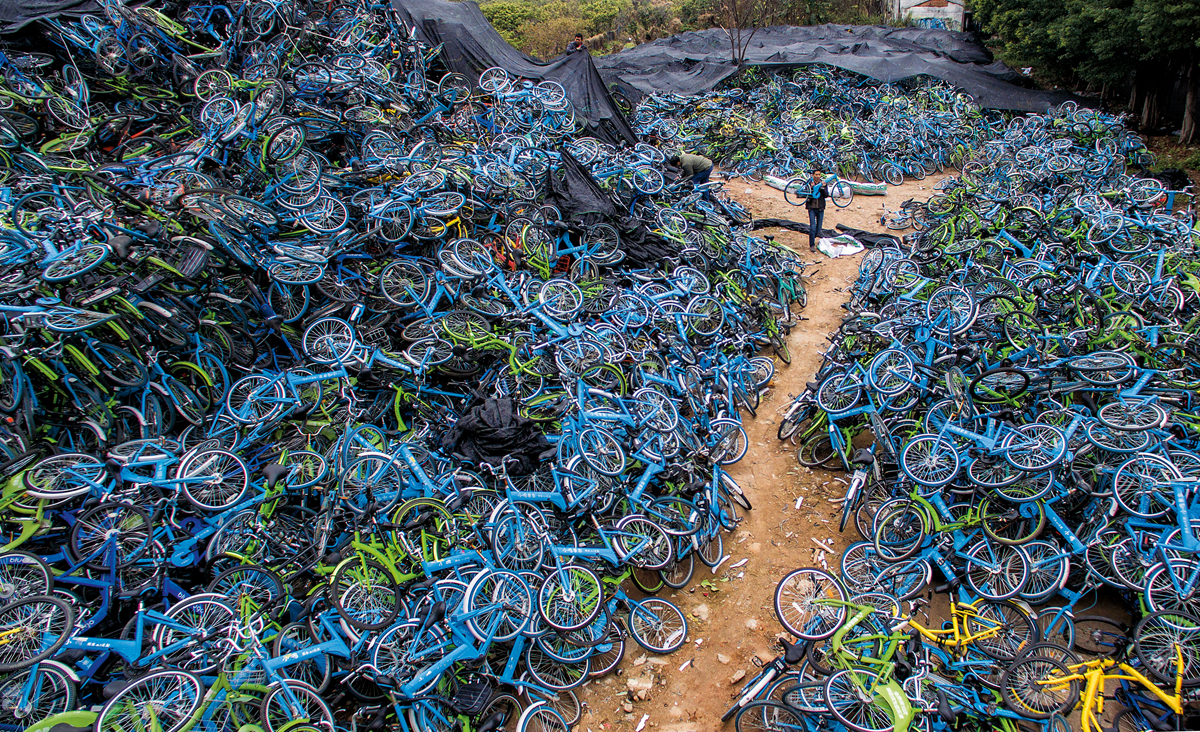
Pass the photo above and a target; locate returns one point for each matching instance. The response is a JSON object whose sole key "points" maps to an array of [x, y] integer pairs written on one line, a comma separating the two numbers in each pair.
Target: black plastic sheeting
{"points": [[492, 431], [695, 62], [473, 45], [578, 196], [16, 14]]}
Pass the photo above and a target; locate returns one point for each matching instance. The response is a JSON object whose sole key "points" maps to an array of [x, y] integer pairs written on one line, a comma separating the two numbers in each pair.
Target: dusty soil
{"points": [[730, 613]]}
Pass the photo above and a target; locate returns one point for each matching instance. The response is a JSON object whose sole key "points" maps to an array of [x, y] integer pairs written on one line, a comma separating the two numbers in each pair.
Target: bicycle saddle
{"points": [[457, 502], [422, 518], [864, 457], [943, 708], [113, 688], [273, 473], [813, 385], [490, 724], [121, 246], [792, 652]]}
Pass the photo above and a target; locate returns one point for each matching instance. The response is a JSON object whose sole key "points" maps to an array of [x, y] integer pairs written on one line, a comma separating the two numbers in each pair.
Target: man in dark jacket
{"points": [[577, 44], [816, 206], [696, 167]]}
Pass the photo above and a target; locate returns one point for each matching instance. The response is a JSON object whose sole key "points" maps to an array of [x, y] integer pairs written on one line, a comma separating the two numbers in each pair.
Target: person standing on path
{"points": [[816, 206], [696, 167]]}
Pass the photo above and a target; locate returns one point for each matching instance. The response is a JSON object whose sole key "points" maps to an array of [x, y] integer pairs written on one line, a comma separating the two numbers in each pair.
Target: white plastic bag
{"points": [[839, 246]]}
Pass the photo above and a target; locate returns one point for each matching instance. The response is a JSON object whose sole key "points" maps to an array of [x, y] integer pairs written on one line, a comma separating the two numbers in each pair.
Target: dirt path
{"points": [[730, 609]]}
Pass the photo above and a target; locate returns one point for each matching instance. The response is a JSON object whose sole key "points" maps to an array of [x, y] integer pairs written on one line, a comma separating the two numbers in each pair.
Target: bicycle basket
{"points": [[470, 698]]}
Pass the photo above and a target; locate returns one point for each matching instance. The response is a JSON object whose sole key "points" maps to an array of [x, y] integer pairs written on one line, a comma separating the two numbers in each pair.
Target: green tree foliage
{"points": [[1103, 44], [507, 17], [601, 14]]}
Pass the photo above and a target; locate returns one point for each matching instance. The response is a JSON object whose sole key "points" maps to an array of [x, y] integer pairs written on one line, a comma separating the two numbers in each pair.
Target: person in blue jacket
{"points": [[815, 204]]}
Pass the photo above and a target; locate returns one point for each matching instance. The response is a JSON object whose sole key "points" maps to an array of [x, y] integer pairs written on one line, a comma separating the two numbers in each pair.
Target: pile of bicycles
{"points": [[822, 118], [263, 264], [1026, 364]]}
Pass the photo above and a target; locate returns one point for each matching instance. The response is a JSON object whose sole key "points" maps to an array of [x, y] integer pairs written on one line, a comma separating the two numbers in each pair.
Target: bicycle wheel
{"points": [[1142, 486], [498, 602], [1168, 643], [729, 440], [329, 340], [1034, 687], [1171, 585], [1004, 629], [175, 696], [679, 574], [1132, 416], [1035, 447], [33, 630], [930, 461], [644, 543], [189, 642], [570, 597], [996, 571], [294, 701], [22, 575], [554, 674], [601, 451], [852, 697], [890, 372], [839, 392], [213, 480], [64, 476], [51, 690], [255, 399], [803, 603], [364, 593], [112, 534], [657, 625], [541, 717], [768, 716], [1096, 635], [900, 529]]}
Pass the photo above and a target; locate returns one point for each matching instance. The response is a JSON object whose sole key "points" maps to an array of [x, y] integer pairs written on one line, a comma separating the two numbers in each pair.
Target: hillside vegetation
{"points": [[543, 28]]}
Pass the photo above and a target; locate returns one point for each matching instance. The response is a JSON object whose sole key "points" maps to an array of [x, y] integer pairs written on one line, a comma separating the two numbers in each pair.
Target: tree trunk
{"points": [[1158, 98], [1191, 113]]}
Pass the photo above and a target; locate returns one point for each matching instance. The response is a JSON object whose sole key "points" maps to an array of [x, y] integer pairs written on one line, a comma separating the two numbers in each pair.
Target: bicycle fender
{"points": [[897, 701]]}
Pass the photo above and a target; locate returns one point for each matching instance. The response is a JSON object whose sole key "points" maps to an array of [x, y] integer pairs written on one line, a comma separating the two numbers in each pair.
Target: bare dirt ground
{"points": [[730, 613]]}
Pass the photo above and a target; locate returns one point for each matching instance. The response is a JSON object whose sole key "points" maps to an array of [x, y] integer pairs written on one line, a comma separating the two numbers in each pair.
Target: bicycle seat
{"points": [[121, 246], [547, 454], [813, 385], [864, 457], [457, 502], [436, 613], [943, 708], [422, 518], [113, 688], [792, 652], [273, 473], [490, 724]]}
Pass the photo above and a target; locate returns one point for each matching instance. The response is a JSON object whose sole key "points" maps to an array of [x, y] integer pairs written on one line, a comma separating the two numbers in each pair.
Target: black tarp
{"points": [[578, 196], [695, 62], [473, 45], [492, 431], [16, 14]]}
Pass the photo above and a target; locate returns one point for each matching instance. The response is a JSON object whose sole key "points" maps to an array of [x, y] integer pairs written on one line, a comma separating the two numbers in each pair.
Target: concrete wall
{"points": [[948, 12]]}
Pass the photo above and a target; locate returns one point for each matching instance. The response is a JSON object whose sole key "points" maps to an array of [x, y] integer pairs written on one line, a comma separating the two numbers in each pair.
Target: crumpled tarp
{"points": [[473, 45], [582, 202], [492, 431], [16, 14], [695, 62]]}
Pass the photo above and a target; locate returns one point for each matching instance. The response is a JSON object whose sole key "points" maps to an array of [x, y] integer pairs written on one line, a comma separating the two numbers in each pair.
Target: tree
{"points": [[1103, 44], [1172, 29], [508, 16], [741, 20]]}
